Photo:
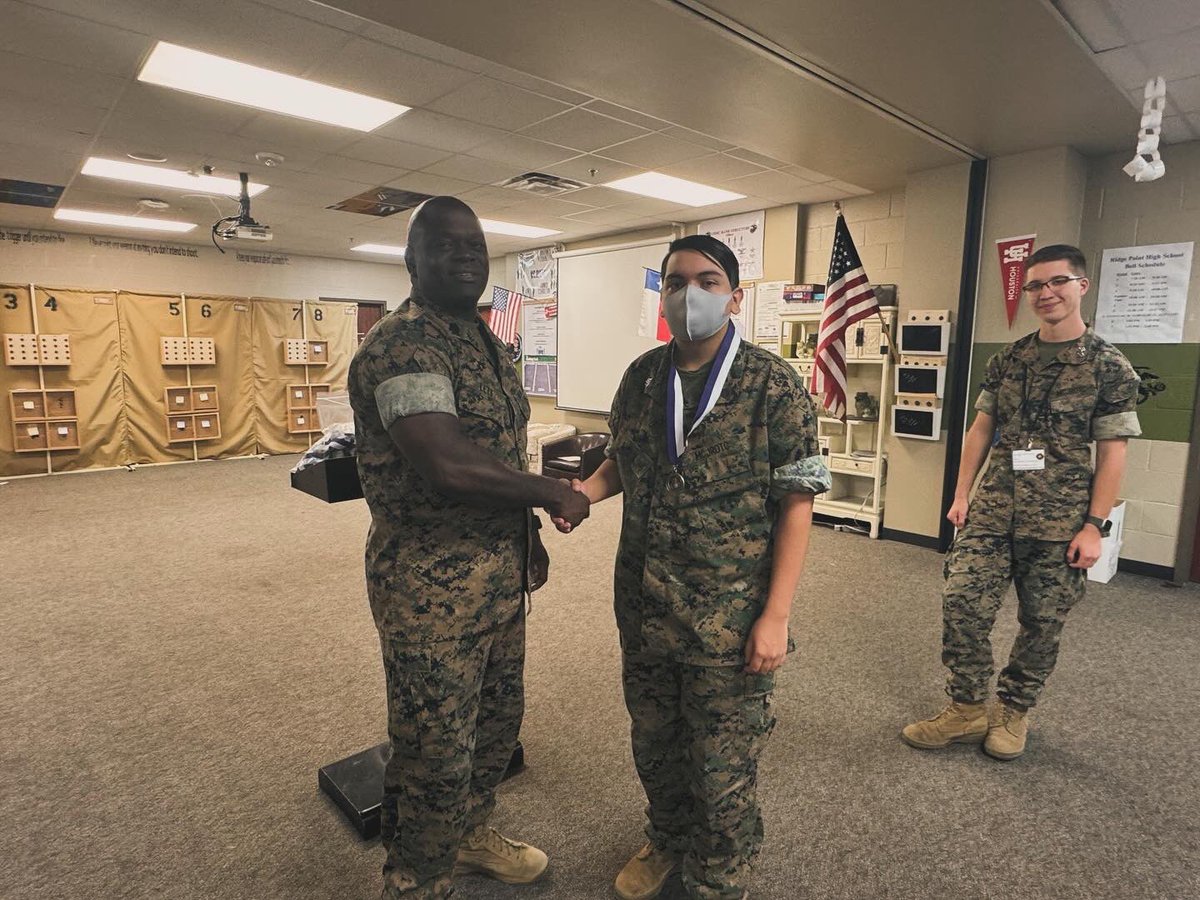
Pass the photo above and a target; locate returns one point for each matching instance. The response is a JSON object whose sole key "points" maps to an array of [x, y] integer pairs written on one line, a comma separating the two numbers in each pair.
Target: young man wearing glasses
{"points": [[1040, 510]]}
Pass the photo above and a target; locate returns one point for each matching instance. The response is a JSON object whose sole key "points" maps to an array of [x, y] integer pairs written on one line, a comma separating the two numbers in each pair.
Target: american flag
{"points": [[848, 299], [506, 312]]}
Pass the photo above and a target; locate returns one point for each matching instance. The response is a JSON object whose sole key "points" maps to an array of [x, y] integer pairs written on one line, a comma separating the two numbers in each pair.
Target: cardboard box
{"points": [[1110, 547]]}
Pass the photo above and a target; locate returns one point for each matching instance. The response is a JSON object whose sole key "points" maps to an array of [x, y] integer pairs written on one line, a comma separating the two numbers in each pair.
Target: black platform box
{"points": [[355, 784], [331, 480]]}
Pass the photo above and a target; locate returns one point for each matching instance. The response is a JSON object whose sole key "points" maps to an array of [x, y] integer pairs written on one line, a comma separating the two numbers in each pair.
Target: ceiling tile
{"points": [[583, 130], [34, 162], [473, 169], [521, 152], [850, 190], [378, 70], [806, 174], [67, 117], [633, 117], [393, 37], [822, 193], [493, 197], [767, 162], [647, 206], [534, 84], [611, 216], [581, 168], [1185, 93], [654, 150], [1175, 130], [492, 102], [1163, 18], [712, 169], [696, 137], [537, 207], [772, 185], [426, 183], [27, 76], [430, 129], [393, 153], [46, 34], [367, 173], [597, 197], [167, 109]]}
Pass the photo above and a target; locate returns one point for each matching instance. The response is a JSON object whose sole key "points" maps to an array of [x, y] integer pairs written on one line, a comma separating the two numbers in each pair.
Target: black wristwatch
{"points": [[1104, 526]]}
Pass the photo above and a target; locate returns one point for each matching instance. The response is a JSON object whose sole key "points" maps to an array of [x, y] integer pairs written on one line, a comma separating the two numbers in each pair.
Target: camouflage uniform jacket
{"points": [[694, 563], [1088, 392], [438, 568]]}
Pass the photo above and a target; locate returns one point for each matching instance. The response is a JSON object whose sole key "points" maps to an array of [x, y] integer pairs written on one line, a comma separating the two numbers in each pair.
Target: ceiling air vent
{"points": [[381, 201], [543, 185], [29, 193]]}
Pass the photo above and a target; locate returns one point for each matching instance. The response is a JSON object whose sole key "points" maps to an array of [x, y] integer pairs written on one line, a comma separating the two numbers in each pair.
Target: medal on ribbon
{"points": [[676, 439]]}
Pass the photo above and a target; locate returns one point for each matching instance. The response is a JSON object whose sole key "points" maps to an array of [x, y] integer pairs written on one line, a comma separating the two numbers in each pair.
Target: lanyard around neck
{"points": [[722, 363]]}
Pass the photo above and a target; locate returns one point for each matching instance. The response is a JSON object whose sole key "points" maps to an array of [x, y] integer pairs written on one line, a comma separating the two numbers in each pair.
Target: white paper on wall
{"points": [[1142, 296]]}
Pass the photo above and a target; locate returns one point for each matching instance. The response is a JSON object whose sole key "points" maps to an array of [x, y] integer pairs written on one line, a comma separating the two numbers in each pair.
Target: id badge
{"points": [[1027, 460]]}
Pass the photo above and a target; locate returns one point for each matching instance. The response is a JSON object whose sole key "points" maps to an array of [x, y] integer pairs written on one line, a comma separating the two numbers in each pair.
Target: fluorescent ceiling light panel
{"points": [[491, 226], [187, 70], [140, 173], [388, 249], [142, 223], [675, 190]]}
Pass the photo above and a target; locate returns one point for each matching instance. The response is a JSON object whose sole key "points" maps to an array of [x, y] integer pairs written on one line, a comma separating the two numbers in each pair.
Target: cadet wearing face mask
{"points": [[714, 445]]}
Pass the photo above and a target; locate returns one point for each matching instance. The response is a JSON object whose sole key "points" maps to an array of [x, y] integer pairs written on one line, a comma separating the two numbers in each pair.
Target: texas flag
{"points": [[652, 323]]}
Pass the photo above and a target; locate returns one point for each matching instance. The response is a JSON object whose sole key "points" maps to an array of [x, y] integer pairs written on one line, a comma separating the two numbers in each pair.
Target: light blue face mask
{"points": [[694, 314]]}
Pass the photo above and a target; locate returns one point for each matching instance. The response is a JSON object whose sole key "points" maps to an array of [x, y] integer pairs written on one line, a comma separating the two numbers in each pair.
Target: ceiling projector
{"points": [[241, 227]]}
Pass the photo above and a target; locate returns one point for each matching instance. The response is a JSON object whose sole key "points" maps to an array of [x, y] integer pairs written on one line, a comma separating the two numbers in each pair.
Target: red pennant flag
{"points": [[1013, 251]]}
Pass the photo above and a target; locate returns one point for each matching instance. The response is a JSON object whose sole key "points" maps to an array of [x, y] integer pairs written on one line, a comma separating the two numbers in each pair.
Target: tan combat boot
{"points": [[644, 876], [488, 852], [1007, 728], [958, 723]]}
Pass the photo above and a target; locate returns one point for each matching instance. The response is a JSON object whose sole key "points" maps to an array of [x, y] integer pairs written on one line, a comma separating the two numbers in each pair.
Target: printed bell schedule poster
{"points": [[1143, 293]]}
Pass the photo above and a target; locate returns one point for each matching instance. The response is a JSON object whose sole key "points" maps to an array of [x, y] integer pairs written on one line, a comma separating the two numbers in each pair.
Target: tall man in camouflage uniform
{"points": [[440, 418], [1039, 513], [714, 445]]}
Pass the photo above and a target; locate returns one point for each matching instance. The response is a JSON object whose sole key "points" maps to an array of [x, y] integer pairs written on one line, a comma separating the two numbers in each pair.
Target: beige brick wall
{"points": [[876, 223], [1153, 492]]}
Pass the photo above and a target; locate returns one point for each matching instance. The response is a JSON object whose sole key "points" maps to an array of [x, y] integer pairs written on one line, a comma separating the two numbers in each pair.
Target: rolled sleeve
{"points": [[1115, 414], [412, 394], [1117, 425], [986, 403], [803, 476]]}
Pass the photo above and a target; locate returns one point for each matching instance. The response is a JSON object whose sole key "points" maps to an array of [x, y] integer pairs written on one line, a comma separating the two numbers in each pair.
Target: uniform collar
{"points": [[1081, 350], [656, 384], [448, 326]]}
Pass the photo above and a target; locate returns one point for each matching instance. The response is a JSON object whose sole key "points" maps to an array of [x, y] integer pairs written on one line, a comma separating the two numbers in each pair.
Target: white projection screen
{"points": [[599, 310]]}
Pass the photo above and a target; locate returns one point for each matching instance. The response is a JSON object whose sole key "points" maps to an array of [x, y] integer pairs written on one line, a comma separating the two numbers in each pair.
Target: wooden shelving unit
{"points": [[44, 420], [302, 407], [192, 413], [853, 449]]}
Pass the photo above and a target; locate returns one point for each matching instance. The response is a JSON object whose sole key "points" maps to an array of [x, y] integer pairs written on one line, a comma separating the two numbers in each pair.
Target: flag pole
{"points": [[891, 344]]}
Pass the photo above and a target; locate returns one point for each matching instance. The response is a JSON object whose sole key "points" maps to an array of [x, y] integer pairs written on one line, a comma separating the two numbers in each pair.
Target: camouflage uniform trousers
{"points": [[978, 570], [454, 713], [697, 733]]}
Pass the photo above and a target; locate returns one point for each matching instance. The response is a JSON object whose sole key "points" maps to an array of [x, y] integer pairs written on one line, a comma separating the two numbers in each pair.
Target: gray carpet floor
{"points": [[182, 647]]}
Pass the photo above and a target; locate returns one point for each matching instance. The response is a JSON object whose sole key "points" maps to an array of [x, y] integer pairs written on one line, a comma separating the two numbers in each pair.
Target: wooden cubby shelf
{"points": [[302, 407], [298, 352], [44, 420]]}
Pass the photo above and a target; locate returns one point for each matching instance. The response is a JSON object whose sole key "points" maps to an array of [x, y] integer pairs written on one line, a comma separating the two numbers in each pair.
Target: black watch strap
{"points": [[1104, 526]]}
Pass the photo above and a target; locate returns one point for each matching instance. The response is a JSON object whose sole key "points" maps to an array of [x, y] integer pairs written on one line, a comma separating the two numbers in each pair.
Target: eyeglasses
{"points": [[1035, 287]]}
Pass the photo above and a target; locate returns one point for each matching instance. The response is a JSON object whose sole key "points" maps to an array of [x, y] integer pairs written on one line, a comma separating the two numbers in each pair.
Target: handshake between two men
{"points": [[565, 523], [573, 507]]}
